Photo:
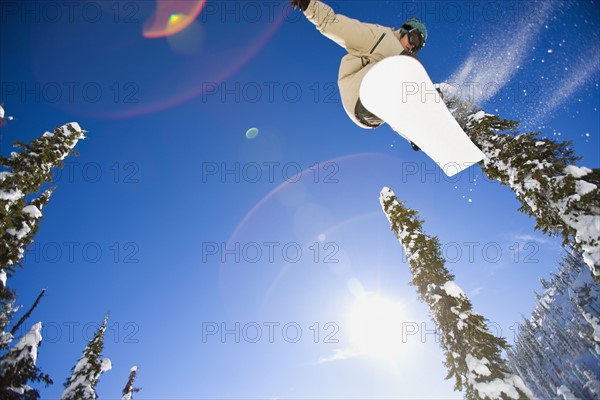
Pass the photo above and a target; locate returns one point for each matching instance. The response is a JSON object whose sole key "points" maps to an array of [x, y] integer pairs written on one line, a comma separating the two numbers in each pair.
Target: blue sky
{"points": [[178, 225]]}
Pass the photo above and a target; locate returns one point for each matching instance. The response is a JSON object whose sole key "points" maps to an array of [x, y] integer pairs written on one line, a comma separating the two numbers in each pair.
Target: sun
{"points": [[376, 327]]}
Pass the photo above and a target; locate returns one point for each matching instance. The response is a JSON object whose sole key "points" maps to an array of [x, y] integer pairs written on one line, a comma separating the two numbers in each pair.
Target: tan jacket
{"points": [[366, 44]]}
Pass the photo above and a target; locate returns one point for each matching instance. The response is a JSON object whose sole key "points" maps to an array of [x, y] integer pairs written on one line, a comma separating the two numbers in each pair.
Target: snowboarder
{"points": [[366, 44]]}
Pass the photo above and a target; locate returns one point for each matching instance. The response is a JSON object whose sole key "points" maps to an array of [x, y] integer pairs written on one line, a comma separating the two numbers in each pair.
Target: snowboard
{"points": [[398, 90]]}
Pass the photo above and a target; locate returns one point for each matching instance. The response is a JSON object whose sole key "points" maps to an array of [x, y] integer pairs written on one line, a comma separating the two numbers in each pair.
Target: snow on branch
{"points": [[18, 367], [563, 198]]}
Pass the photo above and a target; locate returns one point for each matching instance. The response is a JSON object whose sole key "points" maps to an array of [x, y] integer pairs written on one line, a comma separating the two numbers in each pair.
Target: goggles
{"points": [[415, 38]]}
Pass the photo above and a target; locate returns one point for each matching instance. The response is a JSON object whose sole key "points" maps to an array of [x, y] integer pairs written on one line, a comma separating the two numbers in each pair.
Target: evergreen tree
{"points": [[473, 353], [21, 178], [17, 367], [23, 174], [563, 198], [557, 350], [86, 373], [129, 389]]}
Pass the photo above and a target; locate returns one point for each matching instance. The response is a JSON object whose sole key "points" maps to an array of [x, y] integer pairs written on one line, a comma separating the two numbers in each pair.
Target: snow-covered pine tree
{"points": [[563, 198], [86, 373], [18, 365], [17, 368], [23, 174], [558, 349], [8, 368], [473, 353], [129, 389]]}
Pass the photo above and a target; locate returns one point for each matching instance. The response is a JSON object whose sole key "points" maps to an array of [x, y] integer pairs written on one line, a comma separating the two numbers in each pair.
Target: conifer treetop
{"points": [[86, 373], [129, 389], [22, 175], [473, 353]]}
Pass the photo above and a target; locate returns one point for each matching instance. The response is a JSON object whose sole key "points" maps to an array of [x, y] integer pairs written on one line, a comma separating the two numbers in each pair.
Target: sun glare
{"points": [[171, 17], [376, 327]]}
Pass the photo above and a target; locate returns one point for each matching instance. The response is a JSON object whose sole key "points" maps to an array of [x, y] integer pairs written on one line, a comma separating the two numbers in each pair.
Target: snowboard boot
{"points": [[365, 117], [440, 92], [411, 54]]}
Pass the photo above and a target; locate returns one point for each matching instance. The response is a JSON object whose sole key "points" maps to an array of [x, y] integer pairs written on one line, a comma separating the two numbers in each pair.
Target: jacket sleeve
{"points": [[349, 33]]}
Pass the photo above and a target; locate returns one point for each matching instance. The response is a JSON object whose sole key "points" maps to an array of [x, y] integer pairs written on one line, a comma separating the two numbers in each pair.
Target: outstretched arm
{"points": [[349, 33]]}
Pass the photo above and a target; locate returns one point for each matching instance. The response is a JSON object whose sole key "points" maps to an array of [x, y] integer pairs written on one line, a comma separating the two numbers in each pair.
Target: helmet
{"points": [[417, 32], [414, 23]]}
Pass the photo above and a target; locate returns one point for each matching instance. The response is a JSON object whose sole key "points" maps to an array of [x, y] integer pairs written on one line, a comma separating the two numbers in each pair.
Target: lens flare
{"points": [[376, 327], [252, 133], [171, 16], [174, 69]]}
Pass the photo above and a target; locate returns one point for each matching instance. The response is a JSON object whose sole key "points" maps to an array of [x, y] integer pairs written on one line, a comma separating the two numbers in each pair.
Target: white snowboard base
{"points": [[399, 91]]}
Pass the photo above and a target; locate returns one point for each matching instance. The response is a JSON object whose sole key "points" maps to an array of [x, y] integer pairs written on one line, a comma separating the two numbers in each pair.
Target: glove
{"points": [[411, 54], [301, 4]]}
